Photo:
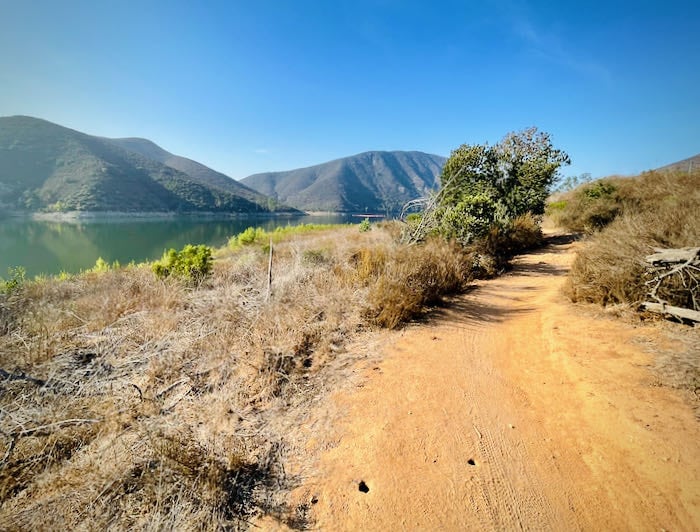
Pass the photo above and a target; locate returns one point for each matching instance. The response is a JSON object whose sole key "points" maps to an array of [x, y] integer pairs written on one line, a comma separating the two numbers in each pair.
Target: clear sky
{"points": [[257, 85]]}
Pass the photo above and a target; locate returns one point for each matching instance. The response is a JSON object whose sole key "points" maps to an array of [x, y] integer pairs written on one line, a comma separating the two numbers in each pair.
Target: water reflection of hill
{"points": [[49, 247]]}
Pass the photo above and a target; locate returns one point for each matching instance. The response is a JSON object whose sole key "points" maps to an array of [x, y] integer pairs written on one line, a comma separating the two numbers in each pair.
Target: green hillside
{"points": [[47, 167], [375, 181], [197, 171]]}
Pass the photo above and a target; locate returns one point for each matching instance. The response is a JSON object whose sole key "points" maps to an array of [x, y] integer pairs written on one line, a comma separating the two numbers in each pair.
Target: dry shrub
{"points": [[590, 207], [660, 212], [415, 276], [502, 243], [170, 406]]}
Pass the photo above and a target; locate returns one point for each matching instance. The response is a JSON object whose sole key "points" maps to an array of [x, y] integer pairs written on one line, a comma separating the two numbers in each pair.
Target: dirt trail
{"points": [[514, 410]]}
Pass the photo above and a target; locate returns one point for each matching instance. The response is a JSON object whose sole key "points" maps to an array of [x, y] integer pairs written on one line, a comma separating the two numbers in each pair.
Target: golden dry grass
{"points": [[655, 210], [129, 402]]}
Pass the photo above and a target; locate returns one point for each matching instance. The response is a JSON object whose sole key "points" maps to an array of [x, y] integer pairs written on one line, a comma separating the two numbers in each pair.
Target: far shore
{"points": [[87, 216], [78, 216], [345, 213]]}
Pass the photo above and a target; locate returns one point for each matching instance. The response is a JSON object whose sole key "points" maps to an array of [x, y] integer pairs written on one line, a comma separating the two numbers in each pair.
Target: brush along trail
{"points": [[514, 409]]}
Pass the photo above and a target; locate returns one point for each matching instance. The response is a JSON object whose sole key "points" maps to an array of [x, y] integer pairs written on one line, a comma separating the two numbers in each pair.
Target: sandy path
{"points": [[514, 410]]}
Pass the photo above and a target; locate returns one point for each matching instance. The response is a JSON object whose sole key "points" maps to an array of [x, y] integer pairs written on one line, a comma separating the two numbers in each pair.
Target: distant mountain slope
{"points": [[44, 166], [692, 163], [195, 170], [375, 181]]}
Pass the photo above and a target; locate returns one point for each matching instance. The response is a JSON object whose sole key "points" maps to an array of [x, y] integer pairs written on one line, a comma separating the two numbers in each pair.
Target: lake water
{"points": [[44, 247]]}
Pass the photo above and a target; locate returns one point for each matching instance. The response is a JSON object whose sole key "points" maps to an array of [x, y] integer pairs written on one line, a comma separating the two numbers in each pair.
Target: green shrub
{"points": [[365, 225], [16, 280], [100, 266], [485, 186], [250, 236], [192, 263], [258, 235], [555, 206], [599, 189]]}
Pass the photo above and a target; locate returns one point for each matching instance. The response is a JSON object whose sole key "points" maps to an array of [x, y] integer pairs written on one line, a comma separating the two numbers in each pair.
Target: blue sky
{"points": [[258, 85]]}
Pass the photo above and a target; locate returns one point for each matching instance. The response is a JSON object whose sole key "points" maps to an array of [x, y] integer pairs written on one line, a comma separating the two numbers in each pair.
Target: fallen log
{"points": [[674, 256], [677, 312]]}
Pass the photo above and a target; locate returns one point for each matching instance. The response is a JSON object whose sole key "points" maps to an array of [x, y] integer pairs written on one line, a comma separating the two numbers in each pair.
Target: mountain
{"points": [[197, 171], [686, 165], [44, 166], [374, 181]]}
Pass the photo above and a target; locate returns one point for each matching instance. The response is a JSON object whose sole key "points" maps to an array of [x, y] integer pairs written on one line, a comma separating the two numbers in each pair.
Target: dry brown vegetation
{"points": [[127, 401], [626, 219]]}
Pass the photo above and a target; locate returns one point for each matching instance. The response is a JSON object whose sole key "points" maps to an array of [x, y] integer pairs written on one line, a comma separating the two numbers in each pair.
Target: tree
{"points": [[529, 164], [492, 185]]}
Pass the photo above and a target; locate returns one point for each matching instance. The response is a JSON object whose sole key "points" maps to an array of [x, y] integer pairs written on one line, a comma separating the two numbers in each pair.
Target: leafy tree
{"points": [[492, 185], [571, 182]]}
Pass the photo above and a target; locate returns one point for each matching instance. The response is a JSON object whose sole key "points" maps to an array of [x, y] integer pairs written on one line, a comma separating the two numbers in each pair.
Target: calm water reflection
{"points": [[50, 247]]}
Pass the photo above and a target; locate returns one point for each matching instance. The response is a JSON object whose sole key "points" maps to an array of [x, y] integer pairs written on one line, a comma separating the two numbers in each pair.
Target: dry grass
{"points": [[656, 210], [502, 243], [129, 402]]}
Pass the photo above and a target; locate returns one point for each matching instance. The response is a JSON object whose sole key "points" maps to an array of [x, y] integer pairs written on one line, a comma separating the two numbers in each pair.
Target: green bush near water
{"points": [[191, 263], [15, 281], [258, 235]]}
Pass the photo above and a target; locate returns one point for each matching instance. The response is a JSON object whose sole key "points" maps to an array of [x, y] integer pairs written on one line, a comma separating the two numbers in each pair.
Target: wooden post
{"points": [[269, 273]]}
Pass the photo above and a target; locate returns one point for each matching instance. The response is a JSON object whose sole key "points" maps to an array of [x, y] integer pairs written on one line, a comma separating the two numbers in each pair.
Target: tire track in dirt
{"points": [[512, 409]]}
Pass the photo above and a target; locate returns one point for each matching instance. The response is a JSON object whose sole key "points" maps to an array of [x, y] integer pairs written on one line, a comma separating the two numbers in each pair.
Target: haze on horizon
{"points": [[265, 86]]}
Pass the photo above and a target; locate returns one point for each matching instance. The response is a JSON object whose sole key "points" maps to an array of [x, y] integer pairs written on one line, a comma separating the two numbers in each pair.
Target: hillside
{"points": [[687, 165], [374, 181], [197, 171], [44, 166]]}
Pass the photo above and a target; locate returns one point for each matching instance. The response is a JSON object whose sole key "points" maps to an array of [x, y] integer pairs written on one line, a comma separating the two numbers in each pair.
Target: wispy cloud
{"points": [[547, 45], [262, 151]]}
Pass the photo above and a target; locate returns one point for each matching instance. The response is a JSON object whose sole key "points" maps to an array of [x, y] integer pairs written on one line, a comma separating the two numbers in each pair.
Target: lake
{"points": [[49, 247]]}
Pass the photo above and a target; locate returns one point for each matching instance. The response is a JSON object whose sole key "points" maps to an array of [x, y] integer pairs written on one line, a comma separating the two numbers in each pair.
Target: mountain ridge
{"points": [[49, 167], [684, 165], [378, 181], [194, 169]]}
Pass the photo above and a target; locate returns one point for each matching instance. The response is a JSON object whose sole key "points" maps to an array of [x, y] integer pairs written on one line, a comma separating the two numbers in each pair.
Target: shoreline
{"points": [[96, 216]]}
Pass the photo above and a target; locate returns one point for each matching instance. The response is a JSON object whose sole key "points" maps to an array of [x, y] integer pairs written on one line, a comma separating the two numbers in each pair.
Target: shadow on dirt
{"points": [[538, 269], [463, 309]]}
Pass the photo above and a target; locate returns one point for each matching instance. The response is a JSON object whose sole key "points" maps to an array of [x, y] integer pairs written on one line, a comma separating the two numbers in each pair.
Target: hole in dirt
{"points": [[471, 461], [364, 488]]}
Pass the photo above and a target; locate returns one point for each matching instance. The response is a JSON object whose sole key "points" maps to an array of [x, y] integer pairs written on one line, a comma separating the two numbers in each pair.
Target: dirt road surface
{"points": [[514, 410]]}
